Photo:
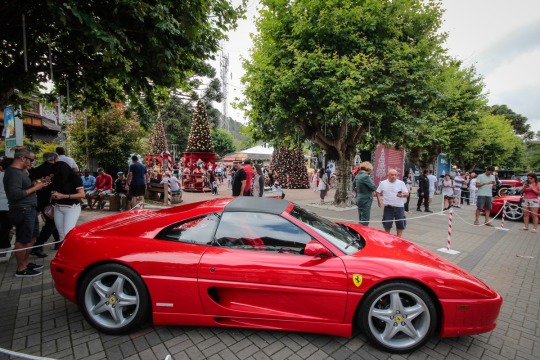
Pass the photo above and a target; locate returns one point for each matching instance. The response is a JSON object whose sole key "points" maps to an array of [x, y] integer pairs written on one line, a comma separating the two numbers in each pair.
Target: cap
{"points": [[120, 173]]}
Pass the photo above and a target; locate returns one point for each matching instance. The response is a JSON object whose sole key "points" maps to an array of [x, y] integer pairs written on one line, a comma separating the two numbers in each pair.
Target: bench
{"points": [[159, 192]]}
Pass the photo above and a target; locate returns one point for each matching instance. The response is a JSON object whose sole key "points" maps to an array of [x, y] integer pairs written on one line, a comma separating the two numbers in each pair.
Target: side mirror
{"points": [[314, 248]]}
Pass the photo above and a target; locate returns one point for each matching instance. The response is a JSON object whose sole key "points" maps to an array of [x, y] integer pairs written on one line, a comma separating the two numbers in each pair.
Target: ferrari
{"points": [[512, 204], [266, 263]]}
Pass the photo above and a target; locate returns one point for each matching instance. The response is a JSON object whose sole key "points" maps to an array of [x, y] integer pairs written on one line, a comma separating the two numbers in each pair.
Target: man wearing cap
{"points": [[89, 182], [121, 191], [102, 188]]}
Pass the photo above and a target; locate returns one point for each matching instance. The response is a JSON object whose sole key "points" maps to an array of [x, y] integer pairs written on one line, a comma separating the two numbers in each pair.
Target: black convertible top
{"points": [[260, 204]]}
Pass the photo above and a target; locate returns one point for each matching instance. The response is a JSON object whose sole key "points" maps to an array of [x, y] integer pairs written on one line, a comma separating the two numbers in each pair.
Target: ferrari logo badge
{"points": [[357, 279]]}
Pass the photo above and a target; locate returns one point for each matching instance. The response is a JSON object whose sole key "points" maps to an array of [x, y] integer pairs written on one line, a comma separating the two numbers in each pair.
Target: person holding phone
{"points": [[530, 205], [484, 183]]}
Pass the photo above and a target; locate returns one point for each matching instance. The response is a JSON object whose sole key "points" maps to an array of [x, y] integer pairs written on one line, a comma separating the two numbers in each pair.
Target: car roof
{"points": [[261, 204]]}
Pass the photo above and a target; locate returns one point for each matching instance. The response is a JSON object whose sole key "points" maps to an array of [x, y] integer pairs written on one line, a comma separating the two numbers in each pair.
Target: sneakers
{"points": [[27, 273], [39, 254], [101, 205], [428, 210], [33, 266], [419, 209]]}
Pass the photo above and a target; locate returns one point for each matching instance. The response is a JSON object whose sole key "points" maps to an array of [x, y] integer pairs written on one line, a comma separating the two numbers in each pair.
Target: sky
{"points": [[500, 38]]}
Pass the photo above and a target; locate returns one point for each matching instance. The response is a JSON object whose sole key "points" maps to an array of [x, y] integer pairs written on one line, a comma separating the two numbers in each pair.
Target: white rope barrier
{"points": [[23, 356]]}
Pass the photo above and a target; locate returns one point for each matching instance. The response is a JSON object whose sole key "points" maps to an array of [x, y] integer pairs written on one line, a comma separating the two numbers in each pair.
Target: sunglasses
{"points": [[29, 158]]}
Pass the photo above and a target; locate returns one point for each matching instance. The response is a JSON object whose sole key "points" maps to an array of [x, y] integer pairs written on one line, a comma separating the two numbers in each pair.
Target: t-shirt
{"points": [[174, 183], [447, 190], [72, 164], [485, 190], [237, 182], [390, 190], [16, 181], [138, 172], [432, 181]]}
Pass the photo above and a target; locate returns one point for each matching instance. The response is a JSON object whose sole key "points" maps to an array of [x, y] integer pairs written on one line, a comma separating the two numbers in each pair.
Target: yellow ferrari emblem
{"points": [[112, 300], [357, 279]]}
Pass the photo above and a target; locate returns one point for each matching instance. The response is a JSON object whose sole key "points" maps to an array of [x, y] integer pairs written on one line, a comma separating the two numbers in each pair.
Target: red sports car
{"points": [[266, 263], [513, 211]]}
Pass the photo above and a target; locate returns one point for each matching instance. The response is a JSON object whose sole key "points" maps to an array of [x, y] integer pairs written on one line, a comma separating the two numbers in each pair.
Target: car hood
{"points": [[386, 257]]}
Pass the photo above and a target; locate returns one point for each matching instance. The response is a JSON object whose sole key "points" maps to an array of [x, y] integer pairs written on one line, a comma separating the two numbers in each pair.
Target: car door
{"points": [[257, 268]]}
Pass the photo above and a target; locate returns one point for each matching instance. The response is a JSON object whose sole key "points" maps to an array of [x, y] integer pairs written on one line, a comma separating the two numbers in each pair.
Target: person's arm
{"points": [[242, 187], [128, 180]]}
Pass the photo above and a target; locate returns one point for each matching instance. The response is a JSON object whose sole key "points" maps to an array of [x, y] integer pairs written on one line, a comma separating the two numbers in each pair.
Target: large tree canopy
{"points": [[339, 69], [109, 50]]}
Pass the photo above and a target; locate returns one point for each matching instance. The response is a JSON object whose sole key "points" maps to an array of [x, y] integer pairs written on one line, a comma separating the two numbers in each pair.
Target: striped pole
{"points": [[169, 191], [503, 216], [449, 238], [450, 213]]}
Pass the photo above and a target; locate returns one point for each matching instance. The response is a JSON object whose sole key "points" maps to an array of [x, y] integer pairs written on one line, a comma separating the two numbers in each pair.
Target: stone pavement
{"points": [[36, 320]]}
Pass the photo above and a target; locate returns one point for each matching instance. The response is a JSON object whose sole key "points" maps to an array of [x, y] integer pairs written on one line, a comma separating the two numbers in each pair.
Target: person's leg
{"points": [[526, 212], [487, 208], [534, 214], [399, 216], [71, 215], [59, 221], [388, 218], [364, 210], [5, 229], [479, 207]]}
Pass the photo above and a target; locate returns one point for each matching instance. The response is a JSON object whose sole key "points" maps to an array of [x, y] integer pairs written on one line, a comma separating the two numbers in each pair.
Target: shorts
{"points": [[391, 213], [96, 193], [431, 193], [483, 202], [26, 223], [137, 190], [532, 203]]}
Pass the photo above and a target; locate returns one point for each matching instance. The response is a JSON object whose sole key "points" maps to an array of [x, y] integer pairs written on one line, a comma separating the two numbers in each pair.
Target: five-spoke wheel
{"points": [[113, 298], [513, 212], [398, 317]]}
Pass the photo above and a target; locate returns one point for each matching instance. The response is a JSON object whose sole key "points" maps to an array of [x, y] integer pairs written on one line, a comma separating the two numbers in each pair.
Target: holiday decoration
{"points": [[199, 139], [290, 168], [158, 141], [199, 158]]}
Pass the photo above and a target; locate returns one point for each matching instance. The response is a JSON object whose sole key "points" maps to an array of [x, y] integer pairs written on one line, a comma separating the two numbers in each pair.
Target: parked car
{"points": [[509, 186], [513, 211], [266, 263]]}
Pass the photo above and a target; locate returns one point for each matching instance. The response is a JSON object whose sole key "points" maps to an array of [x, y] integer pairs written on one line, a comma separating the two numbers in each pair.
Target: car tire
{"points": [[513, 211], [398, 317], [502, 191], [113, 298]]}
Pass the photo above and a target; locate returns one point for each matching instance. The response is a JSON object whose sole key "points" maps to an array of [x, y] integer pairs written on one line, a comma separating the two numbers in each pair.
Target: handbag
{"points": [[48, 211]]}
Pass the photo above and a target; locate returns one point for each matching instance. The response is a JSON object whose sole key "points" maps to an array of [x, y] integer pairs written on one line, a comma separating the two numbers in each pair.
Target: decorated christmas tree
{"points": [[158, 141], [199, 139], [290, 168]]}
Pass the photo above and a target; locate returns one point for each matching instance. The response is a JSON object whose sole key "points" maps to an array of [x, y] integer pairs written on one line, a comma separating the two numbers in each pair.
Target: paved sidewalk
{"points": [[36, 320]]}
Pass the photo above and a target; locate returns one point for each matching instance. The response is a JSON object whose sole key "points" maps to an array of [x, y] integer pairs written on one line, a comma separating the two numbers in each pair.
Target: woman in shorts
{"points": [[447, 191], [530, 193]]}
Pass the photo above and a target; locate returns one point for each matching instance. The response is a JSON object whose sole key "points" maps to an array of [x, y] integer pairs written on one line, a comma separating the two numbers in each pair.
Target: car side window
{"points": [[194, 231], [260, 232]]}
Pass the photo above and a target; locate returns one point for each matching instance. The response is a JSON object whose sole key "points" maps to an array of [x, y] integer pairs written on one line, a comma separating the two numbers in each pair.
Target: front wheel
{"points": [[513, 212], [398, 317], [113, 299], [503, 191]]}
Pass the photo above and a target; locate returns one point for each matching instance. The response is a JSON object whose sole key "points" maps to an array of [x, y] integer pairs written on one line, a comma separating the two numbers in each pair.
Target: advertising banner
{"points": [[387, 158], [443, 165]]}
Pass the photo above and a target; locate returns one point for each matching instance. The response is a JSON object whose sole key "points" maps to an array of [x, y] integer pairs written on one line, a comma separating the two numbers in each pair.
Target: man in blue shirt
{"points": [[136, 181], [89, 182]]}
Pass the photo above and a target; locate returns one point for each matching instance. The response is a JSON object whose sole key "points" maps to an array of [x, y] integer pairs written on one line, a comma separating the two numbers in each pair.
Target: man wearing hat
{"points": [[121, 191], [102, 188]]}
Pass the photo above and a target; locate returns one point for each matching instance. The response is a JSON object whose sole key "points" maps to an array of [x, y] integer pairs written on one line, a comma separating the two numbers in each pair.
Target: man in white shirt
{"points": [[432, 185], [393, 192], [68, 160]]}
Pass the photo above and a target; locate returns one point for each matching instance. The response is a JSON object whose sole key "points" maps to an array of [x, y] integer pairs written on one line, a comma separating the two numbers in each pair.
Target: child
{"points": [[215, 185]]}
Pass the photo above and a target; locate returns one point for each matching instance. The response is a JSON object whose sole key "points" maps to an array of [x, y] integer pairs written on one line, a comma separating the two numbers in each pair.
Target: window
{"points": [[195, 231], [260, 232]]}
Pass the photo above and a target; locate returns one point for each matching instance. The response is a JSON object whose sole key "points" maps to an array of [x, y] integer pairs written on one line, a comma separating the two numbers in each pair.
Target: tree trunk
{"points": [[343, 196]]}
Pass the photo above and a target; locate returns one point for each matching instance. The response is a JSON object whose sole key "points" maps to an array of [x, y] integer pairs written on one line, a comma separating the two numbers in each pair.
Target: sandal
{"points": [[524, 228], [533, 230], [488, 224], [476, 223]]}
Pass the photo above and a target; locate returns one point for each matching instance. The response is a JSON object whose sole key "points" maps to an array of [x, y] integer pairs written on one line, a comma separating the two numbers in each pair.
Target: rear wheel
{"points": [[114, 299], [398, 317]]}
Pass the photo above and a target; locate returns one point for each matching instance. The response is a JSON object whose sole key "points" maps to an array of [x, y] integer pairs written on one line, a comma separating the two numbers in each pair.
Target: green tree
{"points": [[112, 138], [223, 142], [452, 121], [338, 70], [109, 50], [519, 122]]}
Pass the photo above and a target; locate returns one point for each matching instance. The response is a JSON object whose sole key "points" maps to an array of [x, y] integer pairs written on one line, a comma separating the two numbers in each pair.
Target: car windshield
{"points": [[347, 240]]}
